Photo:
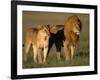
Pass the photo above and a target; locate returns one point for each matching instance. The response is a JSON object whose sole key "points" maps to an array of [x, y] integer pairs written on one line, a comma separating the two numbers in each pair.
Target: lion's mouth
{"points": [[77, 33]]}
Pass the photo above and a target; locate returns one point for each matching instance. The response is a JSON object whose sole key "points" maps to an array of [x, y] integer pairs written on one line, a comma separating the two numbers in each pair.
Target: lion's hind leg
{"points": [[27, 47], [35, 54], [58, 49]]}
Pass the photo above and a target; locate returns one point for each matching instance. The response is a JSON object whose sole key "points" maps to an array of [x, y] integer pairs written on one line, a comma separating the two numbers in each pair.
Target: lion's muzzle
{"points": [[77, 33]]}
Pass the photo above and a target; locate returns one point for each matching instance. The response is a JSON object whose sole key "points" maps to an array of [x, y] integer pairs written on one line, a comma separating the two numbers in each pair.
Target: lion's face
{"points": [[76, 29], [44, 35], [47, 30]]}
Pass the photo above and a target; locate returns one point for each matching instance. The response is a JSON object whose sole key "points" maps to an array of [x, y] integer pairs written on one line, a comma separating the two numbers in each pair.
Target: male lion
{"points": [[72, 30], [38, 38]]}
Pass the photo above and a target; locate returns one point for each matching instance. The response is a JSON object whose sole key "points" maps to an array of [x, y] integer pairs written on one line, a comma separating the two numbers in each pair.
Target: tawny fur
{"points": [[72, 28], [39, 38]]}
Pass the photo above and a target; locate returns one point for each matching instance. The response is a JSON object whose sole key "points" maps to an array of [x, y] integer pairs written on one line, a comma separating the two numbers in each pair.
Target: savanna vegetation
{"points": [[82, 51]]}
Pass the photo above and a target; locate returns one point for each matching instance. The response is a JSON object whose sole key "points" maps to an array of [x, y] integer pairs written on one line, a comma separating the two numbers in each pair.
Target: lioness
{"points": [[72, 29], [39, 38]]}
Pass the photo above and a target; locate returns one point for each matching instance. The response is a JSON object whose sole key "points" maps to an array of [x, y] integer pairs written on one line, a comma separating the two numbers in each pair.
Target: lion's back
{"points": [[31, 34]]}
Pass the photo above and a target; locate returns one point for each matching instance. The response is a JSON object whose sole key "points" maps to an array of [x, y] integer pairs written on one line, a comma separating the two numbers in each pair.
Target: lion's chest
{"points": [[74, 38], [42, 40]]}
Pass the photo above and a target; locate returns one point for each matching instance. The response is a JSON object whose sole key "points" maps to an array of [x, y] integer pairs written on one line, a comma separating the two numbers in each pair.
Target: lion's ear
{"points": [[48, 27]]}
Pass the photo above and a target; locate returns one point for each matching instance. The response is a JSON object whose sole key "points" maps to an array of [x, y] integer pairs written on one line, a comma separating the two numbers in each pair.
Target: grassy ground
{"points": [[80, 59], [82, 52]]}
